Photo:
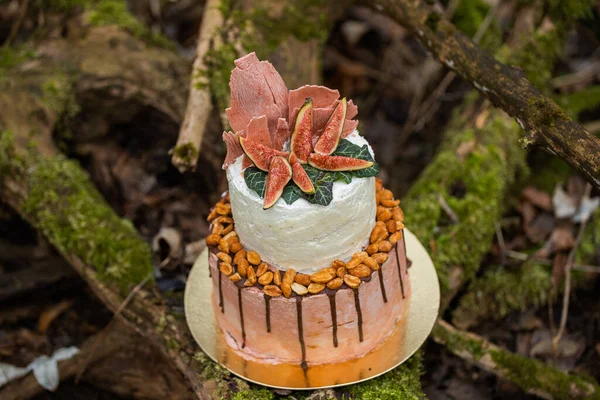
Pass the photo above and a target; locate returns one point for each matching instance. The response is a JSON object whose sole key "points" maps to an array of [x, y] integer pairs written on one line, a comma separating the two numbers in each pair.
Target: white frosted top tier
{"points": [[304, 236]]}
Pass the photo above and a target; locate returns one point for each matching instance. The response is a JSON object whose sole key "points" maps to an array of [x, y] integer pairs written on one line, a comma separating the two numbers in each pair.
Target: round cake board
{"points": [[410, 333]]}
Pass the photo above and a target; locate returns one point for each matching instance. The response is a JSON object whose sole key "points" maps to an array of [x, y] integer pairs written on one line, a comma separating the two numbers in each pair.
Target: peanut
{"points": [[226, 268], [224, 257], [335, 283], [352, 281], [289, 276], [315, 288], [243, 267], [266, 278], [302, 279], [213, 240]]}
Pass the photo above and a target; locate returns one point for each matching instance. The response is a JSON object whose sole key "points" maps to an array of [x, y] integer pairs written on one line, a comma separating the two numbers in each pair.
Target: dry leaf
{"points": [[540, 228], [51, 313], [562, 238], [537, 197]]}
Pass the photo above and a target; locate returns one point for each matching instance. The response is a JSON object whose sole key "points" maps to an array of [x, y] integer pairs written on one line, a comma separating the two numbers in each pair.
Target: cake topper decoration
{"points": [[304, 130]]}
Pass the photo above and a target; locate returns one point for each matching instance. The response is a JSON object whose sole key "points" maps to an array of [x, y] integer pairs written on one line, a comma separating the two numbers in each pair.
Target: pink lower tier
{"points": [[267, 329]]}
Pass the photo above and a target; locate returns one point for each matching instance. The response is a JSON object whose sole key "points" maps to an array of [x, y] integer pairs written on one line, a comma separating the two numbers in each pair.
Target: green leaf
{"points": [[373, 170], [256, 180], [344, 176], [312, 172], [348, 149], [291, 193]]}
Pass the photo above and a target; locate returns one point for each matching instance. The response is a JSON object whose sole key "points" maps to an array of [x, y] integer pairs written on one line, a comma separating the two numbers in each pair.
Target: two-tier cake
{"points": [[307, 254]]}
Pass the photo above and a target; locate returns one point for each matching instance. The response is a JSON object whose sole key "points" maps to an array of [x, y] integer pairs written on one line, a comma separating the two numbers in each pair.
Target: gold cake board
{"points": [[409, 335]]}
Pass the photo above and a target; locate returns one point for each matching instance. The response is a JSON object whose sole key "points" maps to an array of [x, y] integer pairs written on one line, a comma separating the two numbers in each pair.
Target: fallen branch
{"points": [[507, 87], [199, 104], [531, 375]]}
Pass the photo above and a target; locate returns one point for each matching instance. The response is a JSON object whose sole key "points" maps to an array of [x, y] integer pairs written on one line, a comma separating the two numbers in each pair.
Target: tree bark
{"points": [[506, 87]]}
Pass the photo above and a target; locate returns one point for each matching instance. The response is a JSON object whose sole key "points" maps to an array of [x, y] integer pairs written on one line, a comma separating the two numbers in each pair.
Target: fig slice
{"points": [[300, 176], [337, 163], [260, 154], [280, 173], [332, 132], [301, 141]]}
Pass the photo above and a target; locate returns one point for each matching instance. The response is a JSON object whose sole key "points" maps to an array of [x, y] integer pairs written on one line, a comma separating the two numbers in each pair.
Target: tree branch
{"points": [[531, 375], [199, 104], [507, 87]]}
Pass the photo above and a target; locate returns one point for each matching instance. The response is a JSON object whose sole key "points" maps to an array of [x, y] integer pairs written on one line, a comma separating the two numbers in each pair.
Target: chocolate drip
{"points": [[333, 317], [399, 271], [221, 294], [382, 285], [359, 312], [301, 332], [268, 311], [241, 317]]}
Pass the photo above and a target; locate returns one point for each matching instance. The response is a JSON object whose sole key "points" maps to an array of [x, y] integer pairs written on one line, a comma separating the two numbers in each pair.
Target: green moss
{"points": [[575, 103], [304, 20], [401, 383], [59, 96], [13, 56], [468, 17], [459, 342], [501, 291], [545, 112], [538, 377], [536, 56], [245, 392], [484, 175], [63, 204], [115, 12], [187, 152], [260, 32], [219, 64], [567, 12]]}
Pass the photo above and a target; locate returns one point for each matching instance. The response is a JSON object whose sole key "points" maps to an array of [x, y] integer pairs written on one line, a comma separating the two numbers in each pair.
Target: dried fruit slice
{"points": [[260, 155], [300, 176], [301, 141], [337, 163], [330, 137], [280, 173]]}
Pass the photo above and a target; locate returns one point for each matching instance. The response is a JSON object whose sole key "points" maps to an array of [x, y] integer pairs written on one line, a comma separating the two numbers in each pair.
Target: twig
{"points": [[505, 86], [587, 268], [101, 336], [501, 243], [567, 294], [449, 211], [199, 105]]}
